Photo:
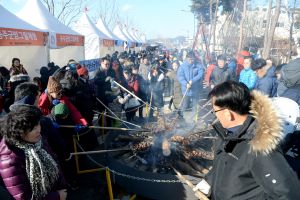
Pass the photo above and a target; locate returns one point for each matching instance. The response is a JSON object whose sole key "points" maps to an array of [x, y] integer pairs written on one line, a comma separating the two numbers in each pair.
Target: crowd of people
{"points": [[37, 113]]}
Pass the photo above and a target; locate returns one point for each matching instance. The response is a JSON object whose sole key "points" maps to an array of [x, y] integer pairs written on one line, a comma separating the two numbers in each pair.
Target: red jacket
{"points": [[13, 173], [209, 70], [133, 85], [240, 61], [45, 105]]}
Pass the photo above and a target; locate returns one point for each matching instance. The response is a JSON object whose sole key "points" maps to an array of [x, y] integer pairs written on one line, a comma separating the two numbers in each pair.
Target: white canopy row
{"points": [[37, 37]]}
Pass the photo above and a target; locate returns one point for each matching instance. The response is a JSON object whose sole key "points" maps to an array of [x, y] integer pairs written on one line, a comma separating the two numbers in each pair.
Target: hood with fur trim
{"points": [[19, 77], [268, 129]]}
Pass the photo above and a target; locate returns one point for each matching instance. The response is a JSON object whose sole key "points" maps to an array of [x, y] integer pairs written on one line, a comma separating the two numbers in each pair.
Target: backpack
{"points": [[291, 73]]}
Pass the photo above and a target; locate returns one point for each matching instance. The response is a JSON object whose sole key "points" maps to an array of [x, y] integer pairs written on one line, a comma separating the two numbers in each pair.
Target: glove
{"points": [[122, 100], [79, 127], [55, 102], [161, 77], [108, 79], [203, 186], [56, 125], [188, 86]]}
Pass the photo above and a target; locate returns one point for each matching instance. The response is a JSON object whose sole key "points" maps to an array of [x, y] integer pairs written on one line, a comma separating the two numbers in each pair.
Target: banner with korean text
{"points": [[20, 37], [91, 65], [108, 43], [63, 40]]}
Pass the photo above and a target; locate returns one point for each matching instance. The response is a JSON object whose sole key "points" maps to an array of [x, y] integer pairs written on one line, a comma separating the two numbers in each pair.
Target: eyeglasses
{"points": [[215, 111]]}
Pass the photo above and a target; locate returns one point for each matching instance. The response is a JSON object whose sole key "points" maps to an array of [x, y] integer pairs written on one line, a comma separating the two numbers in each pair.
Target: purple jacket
{"points": [[13, 173]]}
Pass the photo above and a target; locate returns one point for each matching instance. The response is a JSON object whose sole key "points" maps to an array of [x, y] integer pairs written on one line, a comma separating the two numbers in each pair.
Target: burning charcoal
{"points": [[180, 139], [199, 153], [166, 147], [142, 146]]}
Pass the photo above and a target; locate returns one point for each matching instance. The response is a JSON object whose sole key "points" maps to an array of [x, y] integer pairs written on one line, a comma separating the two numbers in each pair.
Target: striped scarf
{"points": [[42, 170]]}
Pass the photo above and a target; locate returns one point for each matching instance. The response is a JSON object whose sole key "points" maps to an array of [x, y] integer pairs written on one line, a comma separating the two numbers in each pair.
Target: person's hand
{"points": [[108, 79], [188, 86], [205, 84], [55, 102], [79, 127], [190, 82], [62, 194], [56, 125], [121, 100], [203, 186], [212, 86]]}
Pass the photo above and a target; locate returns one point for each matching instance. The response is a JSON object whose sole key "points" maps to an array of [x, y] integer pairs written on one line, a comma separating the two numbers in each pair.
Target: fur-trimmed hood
{"points": [[268, 129], [19, 77]]}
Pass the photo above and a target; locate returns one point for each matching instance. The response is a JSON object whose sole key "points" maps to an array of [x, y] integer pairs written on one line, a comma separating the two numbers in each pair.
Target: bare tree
{"points": [[270, 30], [242, 25], [291, 29], [213, 26], [66, 11]]}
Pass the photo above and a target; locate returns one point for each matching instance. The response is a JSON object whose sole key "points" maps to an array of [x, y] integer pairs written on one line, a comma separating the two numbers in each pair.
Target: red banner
{"points": [[63, 40], [108, 43], [132, 44], [20, 37]]}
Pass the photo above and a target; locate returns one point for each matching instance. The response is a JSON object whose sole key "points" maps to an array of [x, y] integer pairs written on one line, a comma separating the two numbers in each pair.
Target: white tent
{"points": [[97, 44], [119, 42], [119, 33], [137, 35], [125, 31], [65, 43], [22, 40]]}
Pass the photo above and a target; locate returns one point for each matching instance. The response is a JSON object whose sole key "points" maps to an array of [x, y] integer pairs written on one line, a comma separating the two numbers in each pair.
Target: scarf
{"points": [[41, 169]]}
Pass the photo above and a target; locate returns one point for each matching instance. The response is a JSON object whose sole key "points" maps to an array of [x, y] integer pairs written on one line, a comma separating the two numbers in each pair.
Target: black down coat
{"points": [[248, 163]]}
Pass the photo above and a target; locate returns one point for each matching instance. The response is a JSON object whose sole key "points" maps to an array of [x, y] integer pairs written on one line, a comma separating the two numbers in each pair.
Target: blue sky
{"points": [[156, 18]]}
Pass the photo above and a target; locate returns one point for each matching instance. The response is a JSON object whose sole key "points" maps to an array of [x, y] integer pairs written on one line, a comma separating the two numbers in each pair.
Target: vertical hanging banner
{"points": [[108, 43], [132, 44], [20, 37], [52, 40]]}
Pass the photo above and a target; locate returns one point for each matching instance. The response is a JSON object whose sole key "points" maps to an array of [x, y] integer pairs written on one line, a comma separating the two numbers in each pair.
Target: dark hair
{"points": [[248, 57], [4, 71], [44, 71], [104, 58], [221, 57], [14, 59], [246, 48], [258, 64], [232, 95], [26, 89], [279, 67], [19, 121]]}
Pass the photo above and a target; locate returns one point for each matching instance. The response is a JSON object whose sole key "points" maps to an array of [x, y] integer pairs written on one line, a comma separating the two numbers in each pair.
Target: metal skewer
{"points": [[118, 119], [109, 110], [108, 128]]}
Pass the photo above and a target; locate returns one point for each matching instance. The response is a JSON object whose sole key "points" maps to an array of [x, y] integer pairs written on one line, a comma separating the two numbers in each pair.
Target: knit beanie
{"points": [[53, 85], [81, 71], [61, 110]]}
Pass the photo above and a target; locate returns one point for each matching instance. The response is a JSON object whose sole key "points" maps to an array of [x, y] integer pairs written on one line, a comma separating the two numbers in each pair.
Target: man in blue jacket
{"points": [[190, 75], [264, 83]]}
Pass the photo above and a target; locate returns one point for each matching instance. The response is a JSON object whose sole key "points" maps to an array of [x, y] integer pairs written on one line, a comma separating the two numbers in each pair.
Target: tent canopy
{"points": [[119, 33], [85, 26], [104, 29], [9, 20], [125, 31], [35, 13]]}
